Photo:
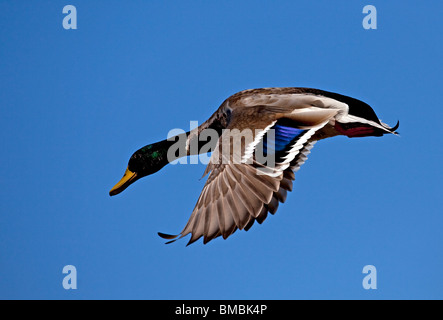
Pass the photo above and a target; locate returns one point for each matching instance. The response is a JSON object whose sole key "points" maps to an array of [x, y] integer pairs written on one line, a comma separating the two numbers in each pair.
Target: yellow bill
{"points": [[128, 178]]}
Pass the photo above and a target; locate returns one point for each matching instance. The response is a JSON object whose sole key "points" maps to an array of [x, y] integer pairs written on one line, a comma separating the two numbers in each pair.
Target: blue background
{"points": [[75, 104]]}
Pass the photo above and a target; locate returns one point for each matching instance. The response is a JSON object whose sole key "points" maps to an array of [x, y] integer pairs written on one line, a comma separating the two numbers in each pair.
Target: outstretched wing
{"points": [[238, 194]]}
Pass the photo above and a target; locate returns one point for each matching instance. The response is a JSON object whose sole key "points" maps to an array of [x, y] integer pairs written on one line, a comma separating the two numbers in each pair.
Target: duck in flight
{"points": [[244, 185]]}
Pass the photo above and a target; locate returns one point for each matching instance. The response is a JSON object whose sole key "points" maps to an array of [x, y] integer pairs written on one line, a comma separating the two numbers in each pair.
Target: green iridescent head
{"points": [[148, 160], [142, 163]]}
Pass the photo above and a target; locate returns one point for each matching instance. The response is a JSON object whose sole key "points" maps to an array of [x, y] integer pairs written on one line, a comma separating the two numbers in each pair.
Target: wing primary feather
{"points": [[214, 226], [167, 236], [286, 184], [257, 190], [263, 214], [273, 205], [243, 196], [221, 219], [230, 202], [249, 224]]}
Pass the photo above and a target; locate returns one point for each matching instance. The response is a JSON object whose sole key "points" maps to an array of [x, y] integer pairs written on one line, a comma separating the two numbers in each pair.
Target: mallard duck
{"points": [[283, 124]]}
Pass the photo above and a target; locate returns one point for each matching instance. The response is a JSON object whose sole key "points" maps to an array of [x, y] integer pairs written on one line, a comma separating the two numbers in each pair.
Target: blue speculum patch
{"points": [[284, 136]]}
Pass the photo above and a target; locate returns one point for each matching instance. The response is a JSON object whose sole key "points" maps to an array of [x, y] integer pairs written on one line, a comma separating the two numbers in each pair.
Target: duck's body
{"points": [[248, 179]]}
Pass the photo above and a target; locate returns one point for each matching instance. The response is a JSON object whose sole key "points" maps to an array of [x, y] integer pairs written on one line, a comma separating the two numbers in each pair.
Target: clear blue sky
{"points": [[75, 104]]}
